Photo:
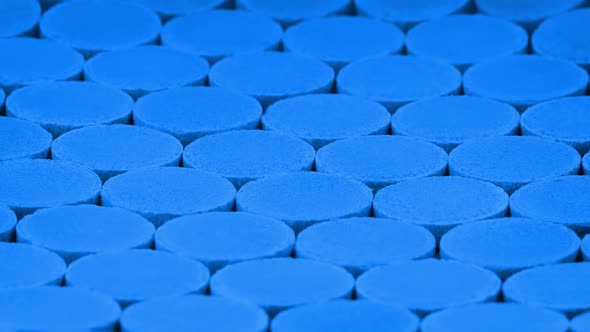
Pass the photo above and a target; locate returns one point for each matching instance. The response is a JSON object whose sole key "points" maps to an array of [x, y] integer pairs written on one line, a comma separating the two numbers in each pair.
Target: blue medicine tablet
{"points": [[62, 106], [271, 76], [221, 33], [451, 120], [245, 155], [93, 26], [25, 266], [7, 223], [397, 80], [562, 287], [428, 285], [494, 317], [131, 276], [343, 315], [515, 79], [57, 309], [280, 283], [2, 98], [23, 139], [168, 9], [18, 17], [581, 323], [381, 160], [221, 238], [341, 40], [76, 231], [192, 112], [320, 119], [508, 245], [164, 193], [141, 70], [463, 40], [359, 244], [115, 149], [289, 12], [304, 198], [586, 248], [28, 185], [26, 61], [586, 163], [513, 161], [194, 313]]}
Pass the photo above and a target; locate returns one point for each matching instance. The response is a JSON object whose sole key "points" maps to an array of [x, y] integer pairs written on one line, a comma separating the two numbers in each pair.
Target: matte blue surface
{"points": [[304, 198], [170, 8], [359, 244], [62, 106], [114, 149], [580, 323], [21, 139], [320, 119], [528, 13], [342, 315], [220, 238], [397, 80], [280, 283], [135, 275], [271, 76], [428, 285], [7, 223], [289, 12], [76, 231], [586, 163], [513, 161], [382, 160], [18, 17], [25, 266], [586, 248], [194, 313], [2, 99]]}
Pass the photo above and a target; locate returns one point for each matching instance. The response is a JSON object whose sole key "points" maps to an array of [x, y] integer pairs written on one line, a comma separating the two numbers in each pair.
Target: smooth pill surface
{"points": [[7, 223], [27, 266], [289, 12], [18, 17]]}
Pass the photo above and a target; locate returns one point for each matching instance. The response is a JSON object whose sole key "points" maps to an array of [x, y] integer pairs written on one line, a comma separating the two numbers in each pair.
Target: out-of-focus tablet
{"points": [[580, 323], [76, 231], [493, 317], [7, 223], [2, 99], [28, 185], [62, 106], [343, 315], [93, 26], [168, 9], [193, 112], [428, 285], [397, 80], [221, 33], [586, 248], [245, 155], [280, 283], [115, 149], [25, 265], [220, 238], [359, 244], [513, 161], [562, 287], [515, 79], [451, 120], [131, 276], [164, 193], [21, 139], [304, 198], [57, 309], [463, 40], [18, 17], [194, 313], [586, 163], [289, 12], [381, 160], [144, 69], [341, 40], [508, 245], [271, 76], [27, 61]]}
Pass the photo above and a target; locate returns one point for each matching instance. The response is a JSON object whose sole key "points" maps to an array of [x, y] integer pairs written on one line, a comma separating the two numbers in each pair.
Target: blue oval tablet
{"points": [[397, 80], [168, 9], [280, 283], [27, 266], [93, 26], [7, 224], [21, 139], [514, 79], [245, 155], [304, 198], [18, 17], [164, 193], [586, 163], [343, 315], [76, 231], [580, 323], [289, 12], [131, 276], [194, 313], [586, 248], [381, 160], [359, 244], [271, 76], [220, 33], [220, 238], [513, 161], [115, 149]]}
